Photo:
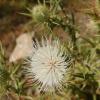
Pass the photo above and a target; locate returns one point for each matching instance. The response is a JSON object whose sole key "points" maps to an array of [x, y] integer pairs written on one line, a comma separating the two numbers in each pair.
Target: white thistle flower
{"points": [[48, 65]]}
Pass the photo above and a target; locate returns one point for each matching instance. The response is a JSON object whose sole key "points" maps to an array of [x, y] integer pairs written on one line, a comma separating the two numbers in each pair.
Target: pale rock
{"points": [[23, 47]]}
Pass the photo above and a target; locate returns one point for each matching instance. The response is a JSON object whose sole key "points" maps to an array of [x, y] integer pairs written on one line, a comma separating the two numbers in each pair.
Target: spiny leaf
{"points": [[4, 76]]}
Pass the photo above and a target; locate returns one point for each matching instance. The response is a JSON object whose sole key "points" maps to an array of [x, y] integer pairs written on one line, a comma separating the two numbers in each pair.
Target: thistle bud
{"points": [[40, 13]]}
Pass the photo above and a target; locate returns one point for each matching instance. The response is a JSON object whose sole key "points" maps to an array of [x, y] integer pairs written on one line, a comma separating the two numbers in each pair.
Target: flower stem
{"points": [[72, 34]]}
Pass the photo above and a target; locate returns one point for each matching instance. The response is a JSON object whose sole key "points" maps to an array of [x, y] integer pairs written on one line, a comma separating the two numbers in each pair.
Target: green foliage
{"points": [[4, 75]]}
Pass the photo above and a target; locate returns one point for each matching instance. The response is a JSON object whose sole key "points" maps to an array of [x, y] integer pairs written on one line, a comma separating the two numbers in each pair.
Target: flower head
{"points": [[48, 65], [40, 13]]}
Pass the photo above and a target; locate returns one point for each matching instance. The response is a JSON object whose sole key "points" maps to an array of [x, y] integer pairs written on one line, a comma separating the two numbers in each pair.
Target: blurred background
{"points": [[13, 23]]}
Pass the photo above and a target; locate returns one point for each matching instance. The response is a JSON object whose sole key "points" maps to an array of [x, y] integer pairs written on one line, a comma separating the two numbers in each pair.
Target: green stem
{"points": [[94, 97], [72, 34]]}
